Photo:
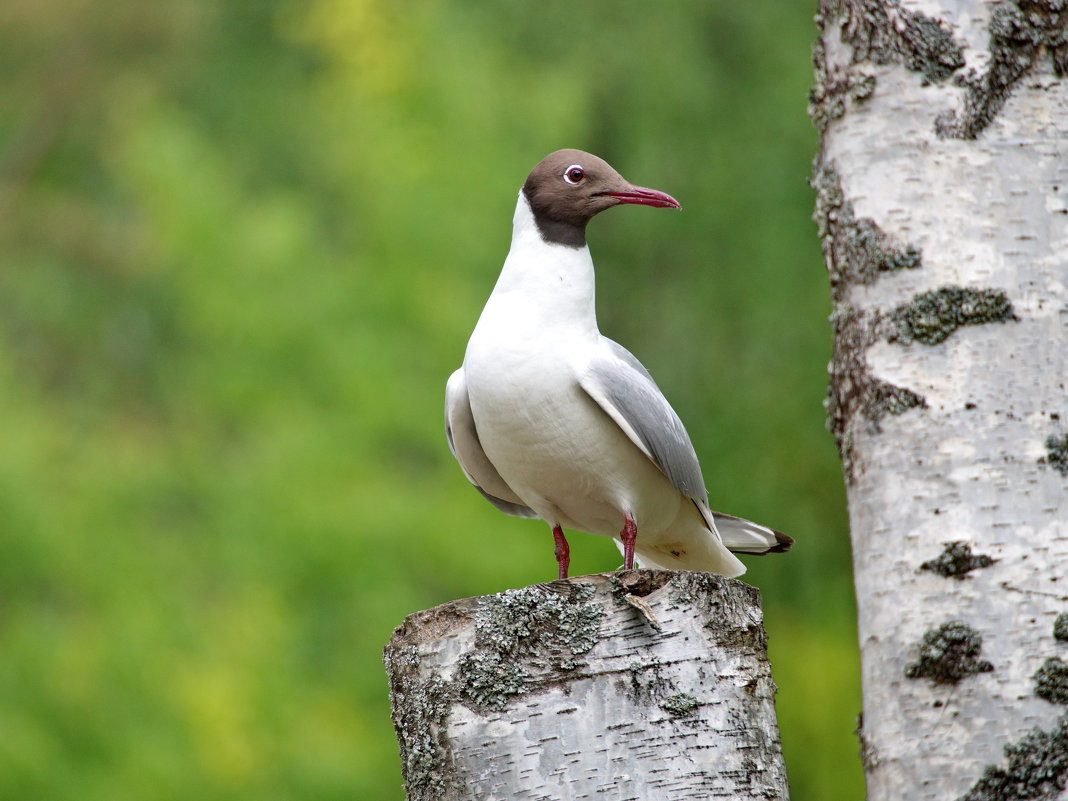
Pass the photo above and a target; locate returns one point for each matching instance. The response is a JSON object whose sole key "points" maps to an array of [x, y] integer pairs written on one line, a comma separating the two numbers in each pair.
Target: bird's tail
{"points": [[692, 543], [745, 536], [707, 541]]}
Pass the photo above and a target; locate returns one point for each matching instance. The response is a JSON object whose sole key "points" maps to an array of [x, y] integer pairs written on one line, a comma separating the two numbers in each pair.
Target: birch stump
{"points": [[640, 685], [942, 203]]}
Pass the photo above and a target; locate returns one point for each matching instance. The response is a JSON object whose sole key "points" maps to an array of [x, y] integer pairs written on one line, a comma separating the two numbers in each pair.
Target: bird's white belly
{"points": [[555, 447]]}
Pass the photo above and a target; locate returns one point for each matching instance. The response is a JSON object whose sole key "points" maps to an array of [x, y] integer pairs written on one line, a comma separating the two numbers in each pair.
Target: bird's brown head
{"points": [[568, 187]]}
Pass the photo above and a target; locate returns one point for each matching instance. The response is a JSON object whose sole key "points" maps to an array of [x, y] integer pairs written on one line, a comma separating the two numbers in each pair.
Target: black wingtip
{"points": [[783, 542]]}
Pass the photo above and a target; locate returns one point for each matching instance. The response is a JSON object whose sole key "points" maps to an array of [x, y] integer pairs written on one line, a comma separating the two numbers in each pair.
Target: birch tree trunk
{"points": [[639, 686], [942, 203]]}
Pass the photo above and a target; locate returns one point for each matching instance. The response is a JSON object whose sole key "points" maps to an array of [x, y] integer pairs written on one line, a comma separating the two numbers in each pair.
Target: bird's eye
{"points": [[574, 174]]}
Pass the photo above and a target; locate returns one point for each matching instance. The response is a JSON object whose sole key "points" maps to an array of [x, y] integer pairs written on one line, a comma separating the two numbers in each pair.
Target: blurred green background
{"points": [[242, 247]]}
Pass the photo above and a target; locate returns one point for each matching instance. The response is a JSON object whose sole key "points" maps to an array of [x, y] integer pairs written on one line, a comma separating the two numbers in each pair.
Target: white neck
{"points": [[548, 283]]}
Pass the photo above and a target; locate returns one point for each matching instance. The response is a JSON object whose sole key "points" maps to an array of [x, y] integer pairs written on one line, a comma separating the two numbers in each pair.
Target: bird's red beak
{"points": [[646, 197]]}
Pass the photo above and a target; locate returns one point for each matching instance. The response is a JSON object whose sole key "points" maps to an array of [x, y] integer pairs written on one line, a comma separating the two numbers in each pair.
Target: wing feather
{"points": [[623, 388], [462, 435]]}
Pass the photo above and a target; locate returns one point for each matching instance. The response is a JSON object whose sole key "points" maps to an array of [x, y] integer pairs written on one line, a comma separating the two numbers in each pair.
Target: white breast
{"points": [[553, 445]]}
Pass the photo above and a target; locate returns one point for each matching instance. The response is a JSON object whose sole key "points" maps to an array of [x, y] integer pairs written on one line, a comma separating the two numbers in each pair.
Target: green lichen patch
{"points": [[957, 560], [680, 705], [931, 317], [420, 712], [1057, 454], [1021, 33], [1060, 627], [856, 251], [1051, 681], [1037, 768], [535, 626], [489, 680], [948, 654]]}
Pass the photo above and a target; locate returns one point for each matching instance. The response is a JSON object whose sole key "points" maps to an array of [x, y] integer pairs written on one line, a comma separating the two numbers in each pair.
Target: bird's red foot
{"points": [[627, 537], [562, 552]]}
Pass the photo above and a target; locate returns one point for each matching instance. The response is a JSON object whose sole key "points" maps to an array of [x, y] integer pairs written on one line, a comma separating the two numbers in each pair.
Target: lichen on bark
{"points": [[853, 389], [420, 711], [931, 317], [883, 32], [855, 250], [529, 626], [1057, 453], [1060, 627], [1038, 763], [607, 701], [680, 705], [1021, 32], [949, 654], [827, 97], [1051, 681], [878, 32], [957, 561], [1037, 768]]}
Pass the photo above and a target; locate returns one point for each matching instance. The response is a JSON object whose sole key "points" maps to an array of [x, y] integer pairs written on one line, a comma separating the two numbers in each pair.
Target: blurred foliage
{"points": [[242, 247]]}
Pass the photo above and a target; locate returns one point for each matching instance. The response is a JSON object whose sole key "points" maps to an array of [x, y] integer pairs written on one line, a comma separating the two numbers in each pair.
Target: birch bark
{"points": [[942, 204], [626, 686]]}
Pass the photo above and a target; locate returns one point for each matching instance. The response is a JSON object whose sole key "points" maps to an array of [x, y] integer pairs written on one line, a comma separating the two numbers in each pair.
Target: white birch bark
{"points": [[942, 202], [626, 686]]}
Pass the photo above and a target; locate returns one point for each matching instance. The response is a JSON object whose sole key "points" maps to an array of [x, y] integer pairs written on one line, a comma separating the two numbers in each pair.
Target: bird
{"points": [[550, 419]]}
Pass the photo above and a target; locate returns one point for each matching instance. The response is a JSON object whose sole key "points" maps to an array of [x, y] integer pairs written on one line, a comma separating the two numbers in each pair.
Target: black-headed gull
{"points": [[550, 419]]}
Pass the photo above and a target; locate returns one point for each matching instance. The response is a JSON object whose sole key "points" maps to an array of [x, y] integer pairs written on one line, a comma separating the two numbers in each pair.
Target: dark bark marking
{"points": [[957, 560], [1037, 768], [856, 251], [931, 317], [948, 654], [1021, 32], [827, 97], [853, 389], [886, 398], [923, 44], [882, 32], [1057, 454], [869, 754]]}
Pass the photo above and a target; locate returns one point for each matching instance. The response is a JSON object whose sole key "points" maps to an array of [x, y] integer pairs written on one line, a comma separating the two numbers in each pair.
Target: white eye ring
{"points": [[574, 180]]}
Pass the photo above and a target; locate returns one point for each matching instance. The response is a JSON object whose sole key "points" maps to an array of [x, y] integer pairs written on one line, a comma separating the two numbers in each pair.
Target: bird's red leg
{"points": [[561, 552], [627, 537]]}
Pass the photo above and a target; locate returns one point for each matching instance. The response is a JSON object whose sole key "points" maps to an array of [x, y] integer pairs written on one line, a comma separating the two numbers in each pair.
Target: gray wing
{"points": [[463, 440], [623, 388]]}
